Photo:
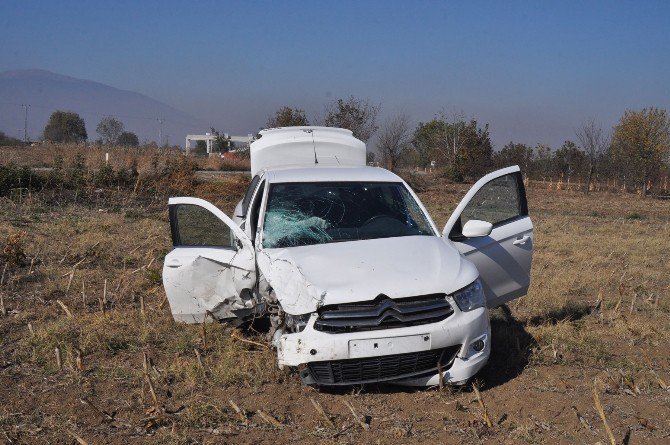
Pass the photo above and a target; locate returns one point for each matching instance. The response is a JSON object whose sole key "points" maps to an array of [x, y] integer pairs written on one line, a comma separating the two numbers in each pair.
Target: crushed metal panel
{"points": [[222, 289], [323, 274], [216, 283], [295, 292]]}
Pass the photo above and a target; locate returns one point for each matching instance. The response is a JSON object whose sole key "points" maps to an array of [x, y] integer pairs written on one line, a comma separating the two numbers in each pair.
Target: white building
{"points": [[209, 138]]}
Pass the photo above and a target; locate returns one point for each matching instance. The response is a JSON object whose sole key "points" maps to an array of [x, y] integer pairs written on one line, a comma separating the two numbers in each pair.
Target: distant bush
{"points": [[142, 170], [14, 177], [8, 140], [104, 176], [128, 139], [220, 164], [177, 176], [453, 174]]}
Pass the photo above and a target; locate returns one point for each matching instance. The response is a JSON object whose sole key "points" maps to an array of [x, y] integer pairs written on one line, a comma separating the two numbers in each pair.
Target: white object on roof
{"points": [[306, 146], [331, 174], [209, 138]]}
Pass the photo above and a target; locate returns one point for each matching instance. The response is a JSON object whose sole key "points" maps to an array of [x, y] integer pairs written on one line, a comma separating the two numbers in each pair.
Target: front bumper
{"points": [[456, 333]]}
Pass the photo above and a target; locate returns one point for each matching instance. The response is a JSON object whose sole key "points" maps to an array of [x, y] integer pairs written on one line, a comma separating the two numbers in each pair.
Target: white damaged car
{"points": [[359, 284]]}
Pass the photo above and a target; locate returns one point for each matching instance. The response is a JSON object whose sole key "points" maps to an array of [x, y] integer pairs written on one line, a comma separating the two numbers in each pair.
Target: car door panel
{"points": [[504, 257], [502, 262], [211, 270]]}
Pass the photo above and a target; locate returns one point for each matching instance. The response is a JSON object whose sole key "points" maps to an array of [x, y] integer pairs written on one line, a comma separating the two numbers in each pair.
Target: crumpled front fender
{"points": [[294, 291]]}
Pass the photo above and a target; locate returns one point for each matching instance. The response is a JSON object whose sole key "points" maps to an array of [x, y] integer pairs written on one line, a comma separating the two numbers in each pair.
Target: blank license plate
{"points": [[387, 346]]}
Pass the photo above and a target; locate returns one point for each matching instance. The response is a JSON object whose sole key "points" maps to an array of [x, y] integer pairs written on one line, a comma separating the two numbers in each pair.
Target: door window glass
{"points": [[496, 202], [196, 226]]}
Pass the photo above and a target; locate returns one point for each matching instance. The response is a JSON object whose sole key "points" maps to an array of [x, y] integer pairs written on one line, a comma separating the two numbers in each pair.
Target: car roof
{"points": [[330, 174]]}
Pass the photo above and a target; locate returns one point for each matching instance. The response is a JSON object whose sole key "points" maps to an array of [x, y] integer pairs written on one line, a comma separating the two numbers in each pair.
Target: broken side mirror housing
{"points": [[476, 228]]}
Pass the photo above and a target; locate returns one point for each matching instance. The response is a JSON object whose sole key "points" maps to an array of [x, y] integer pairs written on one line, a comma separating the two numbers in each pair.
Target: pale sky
{"points": [[532, 70]]}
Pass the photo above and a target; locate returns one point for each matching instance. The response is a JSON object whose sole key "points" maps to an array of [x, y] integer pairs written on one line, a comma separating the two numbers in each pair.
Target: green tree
{"points": [[641, 144], [463, 147], [570, 161], [427, 136], [287, 117], [543, 162], [476, 155], [128, 139], [200, 148], [357, 115], [109, 128], [222, 143], [514, 154], [65, 126]]}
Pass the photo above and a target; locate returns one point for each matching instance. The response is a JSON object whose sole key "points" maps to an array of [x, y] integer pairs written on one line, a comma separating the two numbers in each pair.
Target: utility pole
{"points": [[25, 123], [160, 131]]}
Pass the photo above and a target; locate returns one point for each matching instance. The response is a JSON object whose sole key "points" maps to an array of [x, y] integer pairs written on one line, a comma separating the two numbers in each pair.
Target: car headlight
{"points": [[296, 323], [470, 297]]}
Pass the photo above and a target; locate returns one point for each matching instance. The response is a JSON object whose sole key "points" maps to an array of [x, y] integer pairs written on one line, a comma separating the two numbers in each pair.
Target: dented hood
{"points": [[307, 277]]}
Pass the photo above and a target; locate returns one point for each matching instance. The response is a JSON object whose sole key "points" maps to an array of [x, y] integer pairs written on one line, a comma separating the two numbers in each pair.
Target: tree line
{"points": [[69, 127], [636, 151]]}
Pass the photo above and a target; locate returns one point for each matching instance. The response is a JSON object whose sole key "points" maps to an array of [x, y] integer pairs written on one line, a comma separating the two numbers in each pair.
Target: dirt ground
{"points": [[89, 352]]}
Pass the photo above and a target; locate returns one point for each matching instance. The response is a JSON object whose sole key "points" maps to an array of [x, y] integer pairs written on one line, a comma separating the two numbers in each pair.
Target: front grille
{"points": [[380, 369], [383, 313]]}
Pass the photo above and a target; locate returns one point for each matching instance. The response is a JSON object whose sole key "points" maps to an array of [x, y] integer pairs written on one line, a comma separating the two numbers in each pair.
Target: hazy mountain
{"points": [[46, 92]]}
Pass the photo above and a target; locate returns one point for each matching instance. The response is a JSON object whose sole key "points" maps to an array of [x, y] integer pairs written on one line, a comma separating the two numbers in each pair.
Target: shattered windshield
{"points": [[300, 214]]}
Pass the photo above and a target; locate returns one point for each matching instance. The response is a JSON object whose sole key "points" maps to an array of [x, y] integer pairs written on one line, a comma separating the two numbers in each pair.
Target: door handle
{"points": [[521, 241], [174, 264]]}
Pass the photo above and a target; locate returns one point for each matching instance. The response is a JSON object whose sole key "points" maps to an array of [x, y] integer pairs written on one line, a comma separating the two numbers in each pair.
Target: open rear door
{"points": [[504, 256], [212, 268]]}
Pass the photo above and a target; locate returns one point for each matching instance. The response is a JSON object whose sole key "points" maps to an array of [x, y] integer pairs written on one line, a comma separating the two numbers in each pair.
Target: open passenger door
{"points": [[503, 249], [212, 268]]}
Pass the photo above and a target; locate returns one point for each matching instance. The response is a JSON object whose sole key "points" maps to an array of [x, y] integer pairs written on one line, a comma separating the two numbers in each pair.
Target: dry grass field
{"points": [[89, 352], [142, 158]]}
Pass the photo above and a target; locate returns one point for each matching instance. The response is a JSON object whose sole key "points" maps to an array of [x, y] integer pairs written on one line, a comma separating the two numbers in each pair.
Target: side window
{"points": [[497, 202], [193, 225], [249, 194]]}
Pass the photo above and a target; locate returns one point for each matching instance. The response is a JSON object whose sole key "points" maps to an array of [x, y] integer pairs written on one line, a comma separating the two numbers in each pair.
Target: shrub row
{"points": [[175, 174]]}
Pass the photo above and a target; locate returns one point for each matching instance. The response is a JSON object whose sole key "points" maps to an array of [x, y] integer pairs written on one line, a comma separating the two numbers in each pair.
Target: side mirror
{"points": [[476, 228]]}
